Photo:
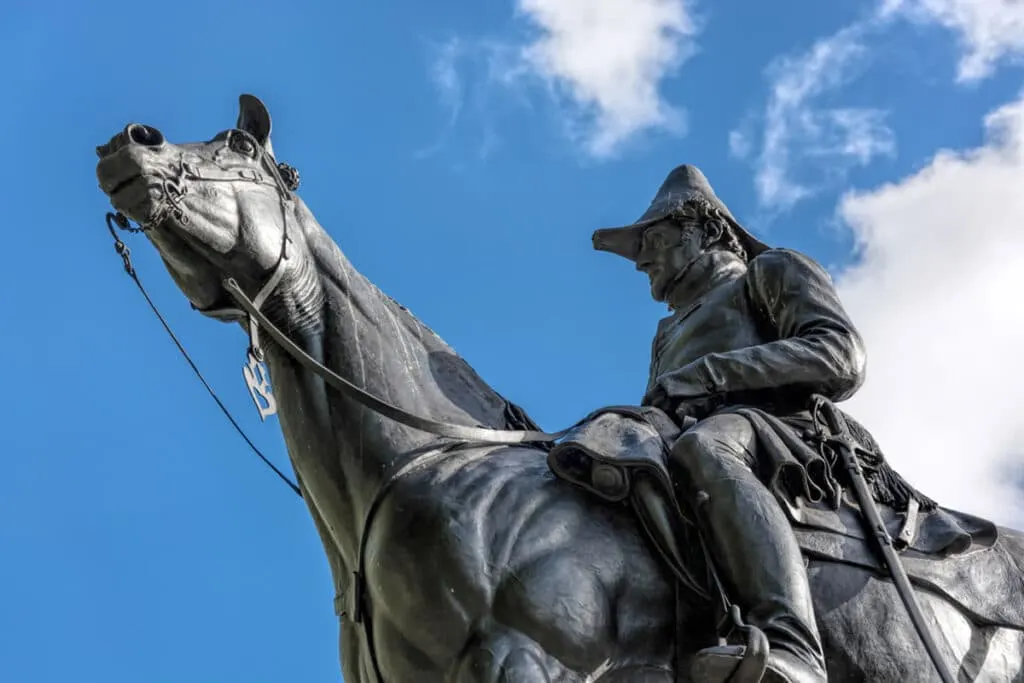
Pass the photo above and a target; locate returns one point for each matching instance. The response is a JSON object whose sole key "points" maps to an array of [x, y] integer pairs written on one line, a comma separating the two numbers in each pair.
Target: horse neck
{"points": [[343, 452]]}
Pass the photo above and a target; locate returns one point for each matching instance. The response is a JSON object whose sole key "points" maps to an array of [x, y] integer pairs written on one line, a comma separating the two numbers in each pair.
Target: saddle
{"points": [[964, 559]]}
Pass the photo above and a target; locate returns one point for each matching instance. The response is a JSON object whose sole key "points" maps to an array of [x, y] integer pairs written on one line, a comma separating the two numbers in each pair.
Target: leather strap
{"points": [[378, 405]]}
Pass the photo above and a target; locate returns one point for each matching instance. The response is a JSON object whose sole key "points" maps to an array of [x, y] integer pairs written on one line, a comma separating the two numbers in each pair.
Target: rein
{"points": [[379, 405], [125, 253]]}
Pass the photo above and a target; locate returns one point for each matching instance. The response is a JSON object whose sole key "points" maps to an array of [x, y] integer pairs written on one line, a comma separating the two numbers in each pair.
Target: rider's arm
{"points": [[816, 348]]}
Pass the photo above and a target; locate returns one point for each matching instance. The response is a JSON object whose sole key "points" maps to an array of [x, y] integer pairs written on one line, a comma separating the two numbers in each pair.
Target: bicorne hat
{"points": [[683, 184]]}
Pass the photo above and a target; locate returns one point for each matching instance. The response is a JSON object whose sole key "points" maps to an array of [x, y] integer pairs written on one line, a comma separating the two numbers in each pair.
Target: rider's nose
{"points": [[133, 134]]}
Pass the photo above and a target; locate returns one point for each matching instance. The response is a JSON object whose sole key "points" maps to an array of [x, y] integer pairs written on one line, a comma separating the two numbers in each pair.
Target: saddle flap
{"points": [[939, 532], [985, 582], [601, 453]]}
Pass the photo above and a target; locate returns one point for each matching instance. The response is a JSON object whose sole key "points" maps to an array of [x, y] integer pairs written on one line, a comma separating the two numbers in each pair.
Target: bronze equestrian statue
{"points": [[707, 534]]}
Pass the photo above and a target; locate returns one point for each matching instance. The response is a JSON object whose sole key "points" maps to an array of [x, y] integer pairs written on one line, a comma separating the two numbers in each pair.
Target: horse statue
{"points": [[457, 554]]}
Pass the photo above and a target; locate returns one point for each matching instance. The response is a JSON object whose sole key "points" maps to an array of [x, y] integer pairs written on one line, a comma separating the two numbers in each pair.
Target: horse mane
{"points": [[452, 372]]}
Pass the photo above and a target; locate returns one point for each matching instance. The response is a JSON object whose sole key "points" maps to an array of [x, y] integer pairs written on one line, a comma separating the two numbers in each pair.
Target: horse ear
{"points": [[254, 119]]}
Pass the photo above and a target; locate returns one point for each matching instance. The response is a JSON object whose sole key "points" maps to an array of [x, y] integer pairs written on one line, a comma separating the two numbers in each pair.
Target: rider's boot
{"points": [[758, 558]]}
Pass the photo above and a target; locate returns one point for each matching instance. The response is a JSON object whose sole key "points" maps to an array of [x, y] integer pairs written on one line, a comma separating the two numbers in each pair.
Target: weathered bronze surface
{"points": [[461, 561]]}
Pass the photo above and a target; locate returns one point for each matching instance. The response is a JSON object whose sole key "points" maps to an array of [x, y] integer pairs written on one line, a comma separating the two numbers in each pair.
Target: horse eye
{"points": [[241, 143]]}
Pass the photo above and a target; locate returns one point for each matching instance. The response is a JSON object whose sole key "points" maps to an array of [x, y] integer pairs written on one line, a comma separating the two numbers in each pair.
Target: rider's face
{"points": [[666, 248]]}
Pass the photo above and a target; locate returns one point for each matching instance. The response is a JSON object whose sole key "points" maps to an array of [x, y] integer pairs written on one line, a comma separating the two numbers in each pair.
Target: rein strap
{"points": [[378, 405]]}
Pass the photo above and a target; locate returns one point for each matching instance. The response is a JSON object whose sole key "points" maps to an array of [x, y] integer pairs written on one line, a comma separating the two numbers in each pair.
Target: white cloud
{"points": [[989, 30], [794, 131], [937, 295], [606, 59]]}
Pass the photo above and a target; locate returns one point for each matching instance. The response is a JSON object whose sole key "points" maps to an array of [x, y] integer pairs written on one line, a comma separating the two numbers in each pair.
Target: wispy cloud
{"points": [[936, 294], [606, 59], [799, 138], [445, 76], [988, 30], [794, 130]]}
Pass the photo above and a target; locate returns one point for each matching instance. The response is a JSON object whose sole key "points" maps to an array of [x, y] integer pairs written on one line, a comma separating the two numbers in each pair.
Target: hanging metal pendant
{"points": [[257, 378]]}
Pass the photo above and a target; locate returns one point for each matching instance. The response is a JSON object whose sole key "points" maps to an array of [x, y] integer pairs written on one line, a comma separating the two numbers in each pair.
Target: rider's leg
{"points": [[755, 550]]}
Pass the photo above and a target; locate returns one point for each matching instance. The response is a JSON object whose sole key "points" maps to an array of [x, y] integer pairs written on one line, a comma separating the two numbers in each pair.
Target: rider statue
{"points": [[754, 334]]}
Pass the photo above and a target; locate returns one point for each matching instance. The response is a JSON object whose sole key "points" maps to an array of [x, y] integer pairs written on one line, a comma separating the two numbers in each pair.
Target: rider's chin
{"points": [[659, 288]]}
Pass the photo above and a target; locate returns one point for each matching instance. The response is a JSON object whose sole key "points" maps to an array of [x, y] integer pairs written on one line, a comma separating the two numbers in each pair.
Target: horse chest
{"points": [[423, 588]]}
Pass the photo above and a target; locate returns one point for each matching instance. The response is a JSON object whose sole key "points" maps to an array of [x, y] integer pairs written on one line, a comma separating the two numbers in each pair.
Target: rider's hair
{"points": [[703, 212]]}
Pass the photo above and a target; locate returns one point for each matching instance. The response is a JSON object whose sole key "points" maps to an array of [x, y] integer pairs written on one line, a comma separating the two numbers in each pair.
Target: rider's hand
{"points": [[659, 398], [688, 411], [694, 410], [684, 410], [685, 413]]}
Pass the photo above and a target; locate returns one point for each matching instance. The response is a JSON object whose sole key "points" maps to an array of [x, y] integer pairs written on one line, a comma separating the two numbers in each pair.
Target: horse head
{"points": [[219, 209]]}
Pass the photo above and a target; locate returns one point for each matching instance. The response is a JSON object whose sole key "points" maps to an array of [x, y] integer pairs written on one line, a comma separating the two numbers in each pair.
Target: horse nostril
{"points": [[144, 135]]}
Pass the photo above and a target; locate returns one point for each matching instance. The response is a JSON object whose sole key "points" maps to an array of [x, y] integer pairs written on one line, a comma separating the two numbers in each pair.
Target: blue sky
{"points": [[461, 155]]}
